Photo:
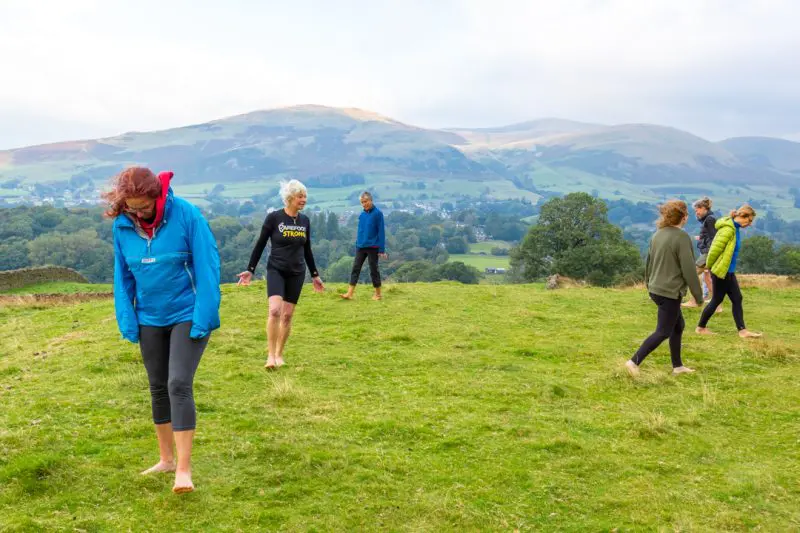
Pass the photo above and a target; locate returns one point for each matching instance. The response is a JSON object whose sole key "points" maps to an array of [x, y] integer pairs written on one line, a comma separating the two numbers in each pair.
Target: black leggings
{"points": [[670, 326], [730, 286], [171, 358], [374, 274]]}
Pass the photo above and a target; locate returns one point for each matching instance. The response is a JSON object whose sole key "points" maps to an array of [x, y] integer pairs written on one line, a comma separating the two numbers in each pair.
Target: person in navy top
{"points": [[370, 244], [166, 298]]}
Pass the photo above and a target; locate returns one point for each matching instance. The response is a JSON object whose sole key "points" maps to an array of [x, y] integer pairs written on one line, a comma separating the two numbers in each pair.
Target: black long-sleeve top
{"points": [[291, 244], [708, 231]]}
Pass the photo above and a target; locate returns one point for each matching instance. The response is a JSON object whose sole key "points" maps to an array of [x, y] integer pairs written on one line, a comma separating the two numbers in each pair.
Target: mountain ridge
{"points": [[541, 155]]}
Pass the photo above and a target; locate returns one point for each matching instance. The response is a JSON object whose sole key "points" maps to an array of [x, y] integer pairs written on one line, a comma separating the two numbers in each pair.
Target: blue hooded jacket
{"points": [[371, 230], [170, 278]]}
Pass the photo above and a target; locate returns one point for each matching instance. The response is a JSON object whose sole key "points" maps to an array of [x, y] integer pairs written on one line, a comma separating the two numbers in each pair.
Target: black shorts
{"points": [[287, 286]]}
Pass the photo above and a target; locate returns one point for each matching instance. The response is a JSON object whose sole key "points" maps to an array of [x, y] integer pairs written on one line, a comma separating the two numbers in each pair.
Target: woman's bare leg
{"points": [[273, 328], [285, 329], [183, 472], [166, 450]]}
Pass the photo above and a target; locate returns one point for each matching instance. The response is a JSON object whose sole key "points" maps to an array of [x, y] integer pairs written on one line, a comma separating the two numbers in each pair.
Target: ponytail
{"points": [[704, 202], [744, 212]]}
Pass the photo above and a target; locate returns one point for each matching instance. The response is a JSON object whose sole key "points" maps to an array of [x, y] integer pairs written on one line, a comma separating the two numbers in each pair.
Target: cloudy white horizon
{"points": [[92, 68]]}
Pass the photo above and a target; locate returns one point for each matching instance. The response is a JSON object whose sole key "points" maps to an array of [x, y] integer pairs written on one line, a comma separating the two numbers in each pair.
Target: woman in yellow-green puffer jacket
{"points": [[721, 260]]}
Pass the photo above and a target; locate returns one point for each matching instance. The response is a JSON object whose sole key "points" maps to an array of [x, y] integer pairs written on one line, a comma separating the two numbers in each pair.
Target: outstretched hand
{"points": [[318, 285], [244, 277]]}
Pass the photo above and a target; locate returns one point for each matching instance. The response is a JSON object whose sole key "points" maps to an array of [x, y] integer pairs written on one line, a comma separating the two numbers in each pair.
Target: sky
{"points": [[93, 68]]}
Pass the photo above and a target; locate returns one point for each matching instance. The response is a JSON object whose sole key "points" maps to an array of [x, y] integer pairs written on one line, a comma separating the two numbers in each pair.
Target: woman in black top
{"points": [[290, 234], [702, 210]]}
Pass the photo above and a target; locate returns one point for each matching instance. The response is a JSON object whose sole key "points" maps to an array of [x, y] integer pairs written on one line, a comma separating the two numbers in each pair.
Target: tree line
{"points": [[574, 235], [81, 238]]}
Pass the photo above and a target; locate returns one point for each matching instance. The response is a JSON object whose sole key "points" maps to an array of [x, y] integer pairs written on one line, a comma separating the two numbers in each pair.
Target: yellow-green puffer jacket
{"points": [[720, 254]]}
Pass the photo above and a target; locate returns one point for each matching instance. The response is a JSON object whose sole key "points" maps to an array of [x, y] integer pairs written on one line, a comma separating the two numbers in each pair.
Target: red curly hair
{"points": [[132, 182]]}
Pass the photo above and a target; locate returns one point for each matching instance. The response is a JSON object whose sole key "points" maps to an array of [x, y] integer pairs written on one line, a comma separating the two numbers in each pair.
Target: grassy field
{"points": [[480, 256], [60, 287], [481, 261], [486, 246], [442, 408]]}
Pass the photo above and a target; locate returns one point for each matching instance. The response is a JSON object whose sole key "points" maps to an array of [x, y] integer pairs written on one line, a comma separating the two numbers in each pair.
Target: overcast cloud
{"points": [[92, 68]]}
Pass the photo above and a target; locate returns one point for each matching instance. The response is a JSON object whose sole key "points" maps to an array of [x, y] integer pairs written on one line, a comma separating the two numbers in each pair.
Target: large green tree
{"points": [[458, 271], [574, 238], [457, 245], [757, 255], [788, 260]]}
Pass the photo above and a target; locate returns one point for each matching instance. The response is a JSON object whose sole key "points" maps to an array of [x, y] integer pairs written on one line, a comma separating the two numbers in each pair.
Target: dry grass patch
{"points": [[767, 281]]}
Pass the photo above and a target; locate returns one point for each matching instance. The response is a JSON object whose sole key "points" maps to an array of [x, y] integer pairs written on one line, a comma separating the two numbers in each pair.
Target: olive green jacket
{"points": [[670, 265]]}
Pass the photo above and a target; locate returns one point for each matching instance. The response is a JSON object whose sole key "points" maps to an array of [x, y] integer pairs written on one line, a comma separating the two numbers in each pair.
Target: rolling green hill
{"points": [[766, 153], [339, 151], [442, 408]]}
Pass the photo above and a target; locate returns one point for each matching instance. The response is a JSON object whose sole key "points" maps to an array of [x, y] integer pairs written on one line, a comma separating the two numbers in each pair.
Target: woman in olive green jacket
{"points": [[722, 258], [670, 271]]}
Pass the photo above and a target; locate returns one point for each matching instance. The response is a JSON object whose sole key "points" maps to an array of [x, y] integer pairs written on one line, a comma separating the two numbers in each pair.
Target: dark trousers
{"points": [[670, 326], [171, 358], [374, 274], [728, 286]]}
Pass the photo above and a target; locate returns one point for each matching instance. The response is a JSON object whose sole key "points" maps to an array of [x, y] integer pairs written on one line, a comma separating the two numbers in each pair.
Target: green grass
{"points": [[60, 287], [480, 256], [486, 246], [481, 261], [442, 408]]}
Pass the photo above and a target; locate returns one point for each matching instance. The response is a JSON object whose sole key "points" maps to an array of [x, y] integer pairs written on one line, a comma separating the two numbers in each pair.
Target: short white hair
{"points": [[290, 189]]}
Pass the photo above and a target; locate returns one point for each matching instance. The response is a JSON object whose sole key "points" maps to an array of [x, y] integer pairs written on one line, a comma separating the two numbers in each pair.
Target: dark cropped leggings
{"points": [[727, 286], [171, 358], [670, 326]]}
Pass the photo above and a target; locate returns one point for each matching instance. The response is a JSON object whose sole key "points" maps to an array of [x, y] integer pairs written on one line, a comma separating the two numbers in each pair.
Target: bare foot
{"points": [[745, 334], [161, 466], [377, 297], [279, 362], [690, 303], [719, 309], [183, 483], [347, 296], [682, 370], [632, 368], [270, 364], [703, 331]]}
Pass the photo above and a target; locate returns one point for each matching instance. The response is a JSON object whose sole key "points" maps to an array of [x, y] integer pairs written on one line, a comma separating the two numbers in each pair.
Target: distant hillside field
{"points": [[481, 261], [444, 407]]}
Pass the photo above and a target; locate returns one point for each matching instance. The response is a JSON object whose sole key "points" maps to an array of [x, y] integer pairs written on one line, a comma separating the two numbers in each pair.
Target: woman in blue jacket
{"points": [[166, 297]]}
